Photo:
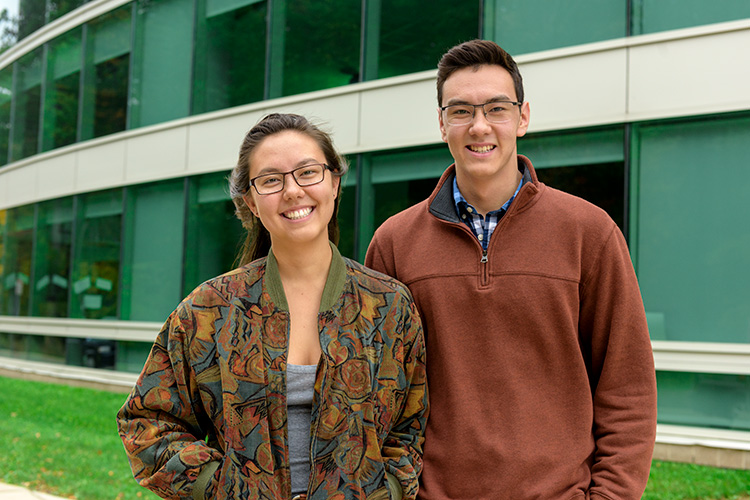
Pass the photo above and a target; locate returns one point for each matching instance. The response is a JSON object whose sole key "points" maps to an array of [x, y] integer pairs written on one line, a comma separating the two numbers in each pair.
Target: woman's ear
{"points": [[248, 198]]}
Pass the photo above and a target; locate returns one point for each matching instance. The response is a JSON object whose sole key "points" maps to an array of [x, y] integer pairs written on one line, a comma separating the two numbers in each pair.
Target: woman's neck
{"points": [[308, 265]]}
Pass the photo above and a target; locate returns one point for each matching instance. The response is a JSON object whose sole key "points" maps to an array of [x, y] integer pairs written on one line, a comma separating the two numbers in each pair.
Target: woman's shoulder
{"points": [[238, 281], [374, 280]]}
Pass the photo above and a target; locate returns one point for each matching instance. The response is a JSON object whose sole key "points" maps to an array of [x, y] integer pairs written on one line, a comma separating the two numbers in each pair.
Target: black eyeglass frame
{"points": [[284, 174], [475, 106]]}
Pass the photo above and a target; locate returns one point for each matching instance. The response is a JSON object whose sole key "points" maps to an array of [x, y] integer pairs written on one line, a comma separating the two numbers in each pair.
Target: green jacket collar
{"points": [[331, 293]]}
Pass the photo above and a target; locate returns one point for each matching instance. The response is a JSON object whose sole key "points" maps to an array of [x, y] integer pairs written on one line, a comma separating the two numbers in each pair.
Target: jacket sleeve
{"points": [[612, 325], [402, 449], [162, 423]]}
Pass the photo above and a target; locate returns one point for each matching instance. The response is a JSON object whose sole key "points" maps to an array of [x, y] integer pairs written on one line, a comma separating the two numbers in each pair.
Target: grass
{"points": [[63, 440]]}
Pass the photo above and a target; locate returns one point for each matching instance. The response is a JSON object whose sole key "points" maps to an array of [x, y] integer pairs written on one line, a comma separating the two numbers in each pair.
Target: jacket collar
{"points": [[442, 205], [331, 292]]}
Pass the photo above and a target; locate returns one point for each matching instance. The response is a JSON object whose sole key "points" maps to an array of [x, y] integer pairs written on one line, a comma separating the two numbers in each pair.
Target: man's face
{"points": [[482, 150]]}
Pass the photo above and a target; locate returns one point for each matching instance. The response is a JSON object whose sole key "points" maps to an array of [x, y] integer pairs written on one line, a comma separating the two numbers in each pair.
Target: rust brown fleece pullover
{"points": [[539, 360]]}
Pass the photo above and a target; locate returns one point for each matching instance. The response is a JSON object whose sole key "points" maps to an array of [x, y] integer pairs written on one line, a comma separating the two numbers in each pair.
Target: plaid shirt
{"points": [[482, 227]]}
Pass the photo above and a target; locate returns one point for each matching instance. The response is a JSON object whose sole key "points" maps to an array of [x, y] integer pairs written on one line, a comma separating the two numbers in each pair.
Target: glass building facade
{"points": [[119, 122]]}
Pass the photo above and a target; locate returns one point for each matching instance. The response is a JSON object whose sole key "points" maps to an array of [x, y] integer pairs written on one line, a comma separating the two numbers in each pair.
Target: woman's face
{"points": [[295, 215]]}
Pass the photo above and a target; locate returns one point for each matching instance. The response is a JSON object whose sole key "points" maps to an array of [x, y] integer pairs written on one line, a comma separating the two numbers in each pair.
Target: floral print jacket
{"points": [[212, 394]]}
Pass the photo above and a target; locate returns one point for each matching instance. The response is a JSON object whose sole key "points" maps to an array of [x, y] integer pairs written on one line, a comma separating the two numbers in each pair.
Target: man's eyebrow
{"points": [[499, 97]]}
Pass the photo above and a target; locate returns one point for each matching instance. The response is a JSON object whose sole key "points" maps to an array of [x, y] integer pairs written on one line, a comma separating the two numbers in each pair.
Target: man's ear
{"points": [[443, 134], [523, 122]]}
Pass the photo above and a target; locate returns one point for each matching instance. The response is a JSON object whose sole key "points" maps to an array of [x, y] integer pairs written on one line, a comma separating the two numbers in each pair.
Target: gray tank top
{"points": [[300, 384]]}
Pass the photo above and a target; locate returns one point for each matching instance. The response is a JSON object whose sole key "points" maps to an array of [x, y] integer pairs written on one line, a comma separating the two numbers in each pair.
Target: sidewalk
{"points": [[10, 492]]}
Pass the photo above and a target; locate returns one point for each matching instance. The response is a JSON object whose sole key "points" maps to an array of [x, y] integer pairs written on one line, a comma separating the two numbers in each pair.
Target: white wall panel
{"points": [[56, 176], [707, 73], [399, 116], [21, 185], [158, 155], [100, 166], [213, 145], [576, 91]]}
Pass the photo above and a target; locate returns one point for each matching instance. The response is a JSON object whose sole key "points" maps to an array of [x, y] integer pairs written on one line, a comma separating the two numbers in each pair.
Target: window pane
{"points": [[16, 261], [107, 73], [6, 93], [346, 215], [52, 258], [28, 98], [215, 235], [392, 197], [153, 251], [30, 16], [411, 41], [230, 55], [95, 278], [601, 184], [58, 8], [568, 23], [693, 252], [661, 15], [704, 400], [162, 72], [321, 43], [63, 82]]}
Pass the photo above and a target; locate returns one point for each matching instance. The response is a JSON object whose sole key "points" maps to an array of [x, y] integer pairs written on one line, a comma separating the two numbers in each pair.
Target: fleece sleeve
{"points": [[613, 323], [162, 423]]}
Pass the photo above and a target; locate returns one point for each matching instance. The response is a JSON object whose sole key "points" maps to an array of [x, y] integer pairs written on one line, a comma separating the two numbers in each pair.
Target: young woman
{"points": [[298, 375]]}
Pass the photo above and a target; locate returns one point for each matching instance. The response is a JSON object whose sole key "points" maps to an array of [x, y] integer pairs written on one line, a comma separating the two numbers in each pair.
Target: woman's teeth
{"points": [[298, 214]]}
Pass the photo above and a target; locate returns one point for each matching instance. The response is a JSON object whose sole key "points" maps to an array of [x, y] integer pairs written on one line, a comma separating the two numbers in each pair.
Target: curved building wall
{"points": [[105, 225]]}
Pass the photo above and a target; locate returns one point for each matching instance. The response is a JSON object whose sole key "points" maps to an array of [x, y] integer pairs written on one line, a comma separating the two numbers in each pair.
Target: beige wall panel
{"points": [[576, 91], [158, 155], [21, 186], [399, 116], [336, 114], [702, 74], [213, 144], [56, 176], [100, 166]]}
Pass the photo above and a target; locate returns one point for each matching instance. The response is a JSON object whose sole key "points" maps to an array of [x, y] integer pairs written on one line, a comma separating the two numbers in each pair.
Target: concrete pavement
{"points": [[10, 492]]}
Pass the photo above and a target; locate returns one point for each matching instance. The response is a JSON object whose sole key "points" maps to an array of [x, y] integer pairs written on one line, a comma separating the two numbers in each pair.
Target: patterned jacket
{"points": [[212, 394]]}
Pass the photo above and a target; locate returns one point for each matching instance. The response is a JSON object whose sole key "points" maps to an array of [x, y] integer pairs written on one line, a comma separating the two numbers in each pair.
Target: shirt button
{"points": [[480, 237], [470, 210], [463, 216]]}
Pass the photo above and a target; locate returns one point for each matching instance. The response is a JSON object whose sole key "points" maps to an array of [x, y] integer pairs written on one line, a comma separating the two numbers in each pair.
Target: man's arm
{"points": [[612, 320]]}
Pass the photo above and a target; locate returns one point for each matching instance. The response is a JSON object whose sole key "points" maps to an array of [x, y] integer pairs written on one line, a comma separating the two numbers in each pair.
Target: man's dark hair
{"points": [[473, 54]]}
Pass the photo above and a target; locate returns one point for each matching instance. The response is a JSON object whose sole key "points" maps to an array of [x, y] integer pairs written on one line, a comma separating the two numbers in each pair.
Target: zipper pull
{"points": [[484, 257]]}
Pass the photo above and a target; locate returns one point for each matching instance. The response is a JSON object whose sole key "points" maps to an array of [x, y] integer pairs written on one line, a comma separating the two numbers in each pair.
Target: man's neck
{"points": [[488, 195]]}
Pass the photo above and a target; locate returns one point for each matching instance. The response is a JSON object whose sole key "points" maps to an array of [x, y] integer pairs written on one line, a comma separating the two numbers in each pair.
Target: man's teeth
{"points": [[298, 214], [481, 149]]}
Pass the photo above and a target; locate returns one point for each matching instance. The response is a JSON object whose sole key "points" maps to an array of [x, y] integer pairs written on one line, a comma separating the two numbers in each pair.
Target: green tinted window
{"points": [[162, 61], [31, 14], [230, 54], [704, 400], [347, 220], [62, 91], [154, 239], [693, 257], [108, 43], [523, 26], [95, 277], [320, 43], [28, 92], [650, 16], [6, 93], [16, 261], [52, 253], [401, 40], [58, 8], [215, 235]]}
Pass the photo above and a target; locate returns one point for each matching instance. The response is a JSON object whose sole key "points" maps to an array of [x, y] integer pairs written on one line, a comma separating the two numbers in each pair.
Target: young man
{"points": [[539, 359]]}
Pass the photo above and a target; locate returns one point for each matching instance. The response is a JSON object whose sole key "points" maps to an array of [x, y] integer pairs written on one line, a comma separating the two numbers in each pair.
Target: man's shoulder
{"points": [[568, 205]]}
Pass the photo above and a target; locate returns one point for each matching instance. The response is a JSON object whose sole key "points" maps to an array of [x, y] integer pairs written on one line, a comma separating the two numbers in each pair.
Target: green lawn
{"points": [[63, 440]]}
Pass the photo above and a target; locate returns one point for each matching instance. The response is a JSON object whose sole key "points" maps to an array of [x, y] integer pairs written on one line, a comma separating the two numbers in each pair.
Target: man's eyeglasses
{"points": [[306, 175], [494, 112]]}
